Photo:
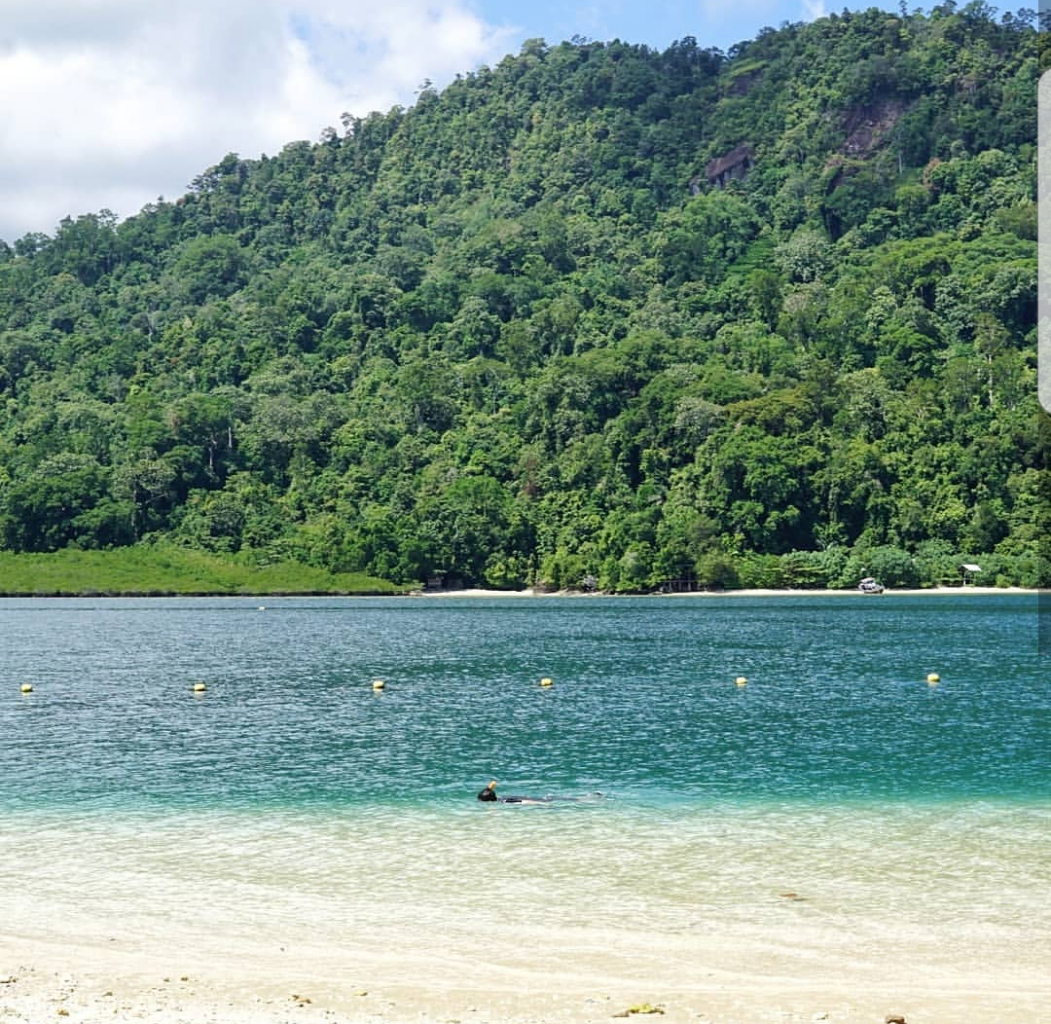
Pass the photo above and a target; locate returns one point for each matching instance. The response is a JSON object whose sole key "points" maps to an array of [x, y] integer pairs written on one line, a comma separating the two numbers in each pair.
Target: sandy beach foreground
{"points": [[92, 985], [95, 986]]}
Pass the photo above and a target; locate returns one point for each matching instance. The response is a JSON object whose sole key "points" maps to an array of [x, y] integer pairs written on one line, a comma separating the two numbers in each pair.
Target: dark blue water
{"points": [[643, 706]]}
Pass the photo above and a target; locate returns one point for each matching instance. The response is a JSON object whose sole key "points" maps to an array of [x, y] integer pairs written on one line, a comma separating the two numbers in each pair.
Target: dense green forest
{"points": [[597, 316]]}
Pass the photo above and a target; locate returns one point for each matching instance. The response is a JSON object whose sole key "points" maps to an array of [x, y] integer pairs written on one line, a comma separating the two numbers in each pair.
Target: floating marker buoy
{"points": [[262, 607], [27, 688], [199, 687], [933, 677], [545, 681], [378, 684], [741, 681]]}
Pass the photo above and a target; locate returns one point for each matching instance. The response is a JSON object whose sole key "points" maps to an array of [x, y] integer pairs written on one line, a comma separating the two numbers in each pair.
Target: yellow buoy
{"points": [[741, 681], [545, 681], [199, 687], [933, 678], [378, 684], [27, 688]]}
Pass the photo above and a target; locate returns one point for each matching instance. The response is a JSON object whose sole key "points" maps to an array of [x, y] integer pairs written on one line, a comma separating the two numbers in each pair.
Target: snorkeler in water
{"points": [[488, 795]]}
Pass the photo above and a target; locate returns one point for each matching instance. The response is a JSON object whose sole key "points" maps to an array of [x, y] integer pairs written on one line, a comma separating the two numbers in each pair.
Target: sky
{"points": [[112, 104]]}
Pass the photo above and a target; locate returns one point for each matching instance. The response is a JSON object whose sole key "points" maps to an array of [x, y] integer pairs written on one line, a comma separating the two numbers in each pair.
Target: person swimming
{"points": [[488, 795]]}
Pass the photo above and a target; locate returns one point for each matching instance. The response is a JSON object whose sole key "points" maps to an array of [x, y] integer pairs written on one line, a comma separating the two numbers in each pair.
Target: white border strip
{"points": [[1044, 242]]}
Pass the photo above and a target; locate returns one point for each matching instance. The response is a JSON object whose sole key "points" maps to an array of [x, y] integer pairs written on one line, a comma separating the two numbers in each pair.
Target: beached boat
{"points": [[869, 586]]}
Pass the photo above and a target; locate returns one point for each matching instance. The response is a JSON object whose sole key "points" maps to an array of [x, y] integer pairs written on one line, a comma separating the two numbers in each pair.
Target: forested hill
{"points": [[598, 314]]}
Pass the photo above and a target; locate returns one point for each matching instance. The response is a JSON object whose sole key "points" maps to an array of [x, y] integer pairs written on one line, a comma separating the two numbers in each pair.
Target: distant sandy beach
{"points": [[889, 592]]}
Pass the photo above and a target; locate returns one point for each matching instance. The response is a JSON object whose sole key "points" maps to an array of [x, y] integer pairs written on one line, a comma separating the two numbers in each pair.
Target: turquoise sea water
{"points": [[643, 708], [292, 807]]}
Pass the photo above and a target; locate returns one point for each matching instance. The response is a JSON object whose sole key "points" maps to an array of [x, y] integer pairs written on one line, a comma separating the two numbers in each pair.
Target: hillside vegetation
{"points": [[597, 316]]}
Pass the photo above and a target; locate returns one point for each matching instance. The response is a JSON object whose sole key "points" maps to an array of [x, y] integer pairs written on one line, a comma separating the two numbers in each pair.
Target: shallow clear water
{"points": [[290, 798]]}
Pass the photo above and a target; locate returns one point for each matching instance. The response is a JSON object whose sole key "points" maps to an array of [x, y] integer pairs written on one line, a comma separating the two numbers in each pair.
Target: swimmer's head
{"points": [[492, 785]]}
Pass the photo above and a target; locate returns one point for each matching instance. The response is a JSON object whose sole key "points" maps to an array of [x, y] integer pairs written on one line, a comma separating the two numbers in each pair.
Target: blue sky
{"points": [[656, 24]]}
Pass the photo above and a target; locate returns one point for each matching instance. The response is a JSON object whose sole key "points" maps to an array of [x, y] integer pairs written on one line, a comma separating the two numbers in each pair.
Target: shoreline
{"points": [[528, 592], [752, 592], [846, 933]]}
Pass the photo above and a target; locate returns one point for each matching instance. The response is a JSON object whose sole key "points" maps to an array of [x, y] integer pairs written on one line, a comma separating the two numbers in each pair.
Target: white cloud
{"points": [[112, 103], [813, 9]]}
